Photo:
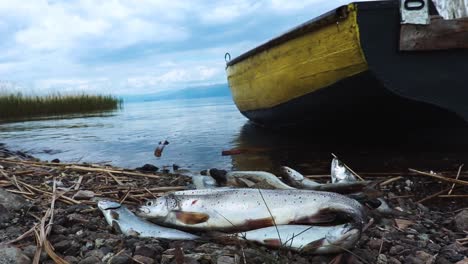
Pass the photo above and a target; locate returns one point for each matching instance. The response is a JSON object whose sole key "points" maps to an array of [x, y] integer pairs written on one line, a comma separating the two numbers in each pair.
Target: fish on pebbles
{"points": [[340, 173], [127, 223], [303, 238], [246, 209]]}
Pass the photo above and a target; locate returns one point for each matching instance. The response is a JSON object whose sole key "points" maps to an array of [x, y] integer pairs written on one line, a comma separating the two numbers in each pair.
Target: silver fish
{"points": [[246, 209], [309, 239], [203, 182], [257, 177], [127, 223], [297, 180], [339, 172]]}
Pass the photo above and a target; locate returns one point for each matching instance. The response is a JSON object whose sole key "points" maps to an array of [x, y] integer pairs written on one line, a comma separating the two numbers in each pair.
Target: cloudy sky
{"points": [[135, 47]]}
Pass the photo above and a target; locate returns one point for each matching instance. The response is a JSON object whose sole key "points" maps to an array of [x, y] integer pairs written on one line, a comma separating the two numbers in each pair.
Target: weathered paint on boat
{"points": [[304, 64], [345, 68]]}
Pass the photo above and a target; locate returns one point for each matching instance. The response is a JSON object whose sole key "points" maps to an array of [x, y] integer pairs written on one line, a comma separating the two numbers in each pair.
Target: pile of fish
{"points": [[304, 216]]}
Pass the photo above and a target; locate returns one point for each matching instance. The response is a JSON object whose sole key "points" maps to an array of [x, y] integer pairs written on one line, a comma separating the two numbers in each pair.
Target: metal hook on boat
{"points": [[227, 57]]}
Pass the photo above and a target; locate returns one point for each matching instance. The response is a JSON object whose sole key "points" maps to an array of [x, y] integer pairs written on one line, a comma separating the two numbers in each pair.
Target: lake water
{"points": [[199, 129]]}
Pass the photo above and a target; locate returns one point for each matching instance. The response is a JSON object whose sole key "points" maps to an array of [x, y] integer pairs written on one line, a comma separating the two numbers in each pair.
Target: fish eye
{"points": [[149, 203]]}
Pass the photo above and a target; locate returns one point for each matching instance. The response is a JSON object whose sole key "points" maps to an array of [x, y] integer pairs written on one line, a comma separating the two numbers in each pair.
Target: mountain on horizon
{"points": [[215, 90]]}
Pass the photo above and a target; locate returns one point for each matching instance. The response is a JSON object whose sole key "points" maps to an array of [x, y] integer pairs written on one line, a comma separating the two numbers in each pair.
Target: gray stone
{"points": [[90, 260], [145, 251], [225, 260], [426, 257], [120, 259], [11, 201], [95, 253], [13, 255], [375, 243], [393, 260], [71, 259], [143, 259], [382, 259], [461, 221]]}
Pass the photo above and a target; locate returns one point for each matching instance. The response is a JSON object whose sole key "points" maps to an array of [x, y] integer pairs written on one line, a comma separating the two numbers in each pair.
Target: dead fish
{"points": [[127, 223], [339, 172], [198, 181], [296, 179], [246, 209], [234, 178], [308, 239], [203, 182]]}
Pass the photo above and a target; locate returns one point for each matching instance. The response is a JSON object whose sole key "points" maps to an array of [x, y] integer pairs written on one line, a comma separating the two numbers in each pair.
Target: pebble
{"points": [[13, 255], [375, 243], [143, 259], [71, 259], [393, 260], [120, 259], [461, 221], [382, 259], [145, 251], [90, 260], [424, 256], [10, 201]]}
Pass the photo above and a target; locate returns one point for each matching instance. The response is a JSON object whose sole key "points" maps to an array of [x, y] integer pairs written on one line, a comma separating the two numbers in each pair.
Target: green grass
{"points": [[21, 106]]}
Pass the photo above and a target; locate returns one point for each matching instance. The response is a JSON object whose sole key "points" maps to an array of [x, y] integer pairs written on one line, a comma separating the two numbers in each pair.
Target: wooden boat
{"points": [[358, 64]]}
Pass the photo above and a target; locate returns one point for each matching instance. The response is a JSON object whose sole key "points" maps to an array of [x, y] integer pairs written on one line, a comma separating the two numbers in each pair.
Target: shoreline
{"points": [[426, 232]]}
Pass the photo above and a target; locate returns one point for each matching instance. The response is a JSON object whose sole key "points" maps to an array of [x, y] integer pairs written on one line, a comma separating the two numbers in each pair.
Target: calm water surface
{"points": [[199, 129]]}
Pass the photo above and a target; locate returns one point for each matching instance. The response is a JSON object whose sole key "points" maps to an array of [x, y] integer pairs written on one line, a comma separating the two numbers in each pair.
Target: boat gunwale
{"points": [[330, 17]]}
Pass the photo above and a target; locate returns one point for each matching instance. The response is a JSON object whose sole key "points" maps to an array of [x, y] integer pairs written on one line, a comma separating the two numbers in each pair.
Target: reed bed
{"points": [[20, 106]]}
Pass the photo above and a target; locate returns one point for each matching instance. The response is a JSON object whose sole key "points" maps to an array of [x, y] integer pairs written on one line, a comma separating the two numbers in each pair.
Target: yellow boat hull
{"points": [[345, 68], [303, 65]]}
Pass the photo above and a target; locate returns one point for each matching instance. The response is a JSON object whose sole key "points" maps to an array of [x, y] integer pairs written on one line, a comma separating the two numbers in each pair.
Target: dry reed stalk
{"points": [[442, 178], [80, 168]]}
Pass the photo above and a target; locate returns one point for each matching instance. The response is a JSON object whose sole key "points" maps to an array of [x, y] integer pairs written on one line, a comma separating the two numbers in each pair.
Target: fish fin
{"points": [[258, 223], [114, 215], [272, 242], [116, 227], [312, 246], [191, 218], [244, 182]]}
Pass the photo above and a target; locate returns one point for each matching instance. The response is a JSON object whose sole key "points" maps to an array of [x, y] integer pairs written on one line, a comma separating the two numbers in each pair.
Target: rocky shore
{"points": [[433, 230]]}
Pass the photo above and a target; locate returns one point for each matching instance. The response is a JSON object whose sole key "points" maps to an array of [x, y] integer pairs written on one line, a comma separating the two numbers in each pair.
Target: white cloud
{"points": [[126, 46]]}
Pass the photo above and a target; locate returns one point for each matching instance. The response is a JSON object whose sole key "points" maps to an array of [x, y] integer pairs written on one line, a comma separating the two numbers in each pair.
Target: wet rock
{"points": [[454, 252], [10, 201], [90, 260], [393, 260], [425, 257], [434, 248], [13, 255], [120, 259], [83, 195], [73, 249], [63, 245], [5, 215], [95, 253], [396, 250], [197, 258], [71, 259], [225, 260], [375, 243], [461, 221], [382, 259], [143, 259], [145, 251], [148, 168]]}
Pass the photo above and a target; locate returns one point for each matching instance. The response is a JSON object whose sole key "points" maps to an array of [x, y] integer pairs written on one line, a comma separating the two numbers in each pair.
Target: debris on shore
{"points": [[49, 214]]}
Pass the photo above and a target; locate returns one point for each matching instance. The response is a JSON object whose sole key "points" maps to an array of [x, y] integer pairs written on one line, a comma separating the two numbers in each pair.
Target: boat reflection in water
{"points": [[436, 146]]}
